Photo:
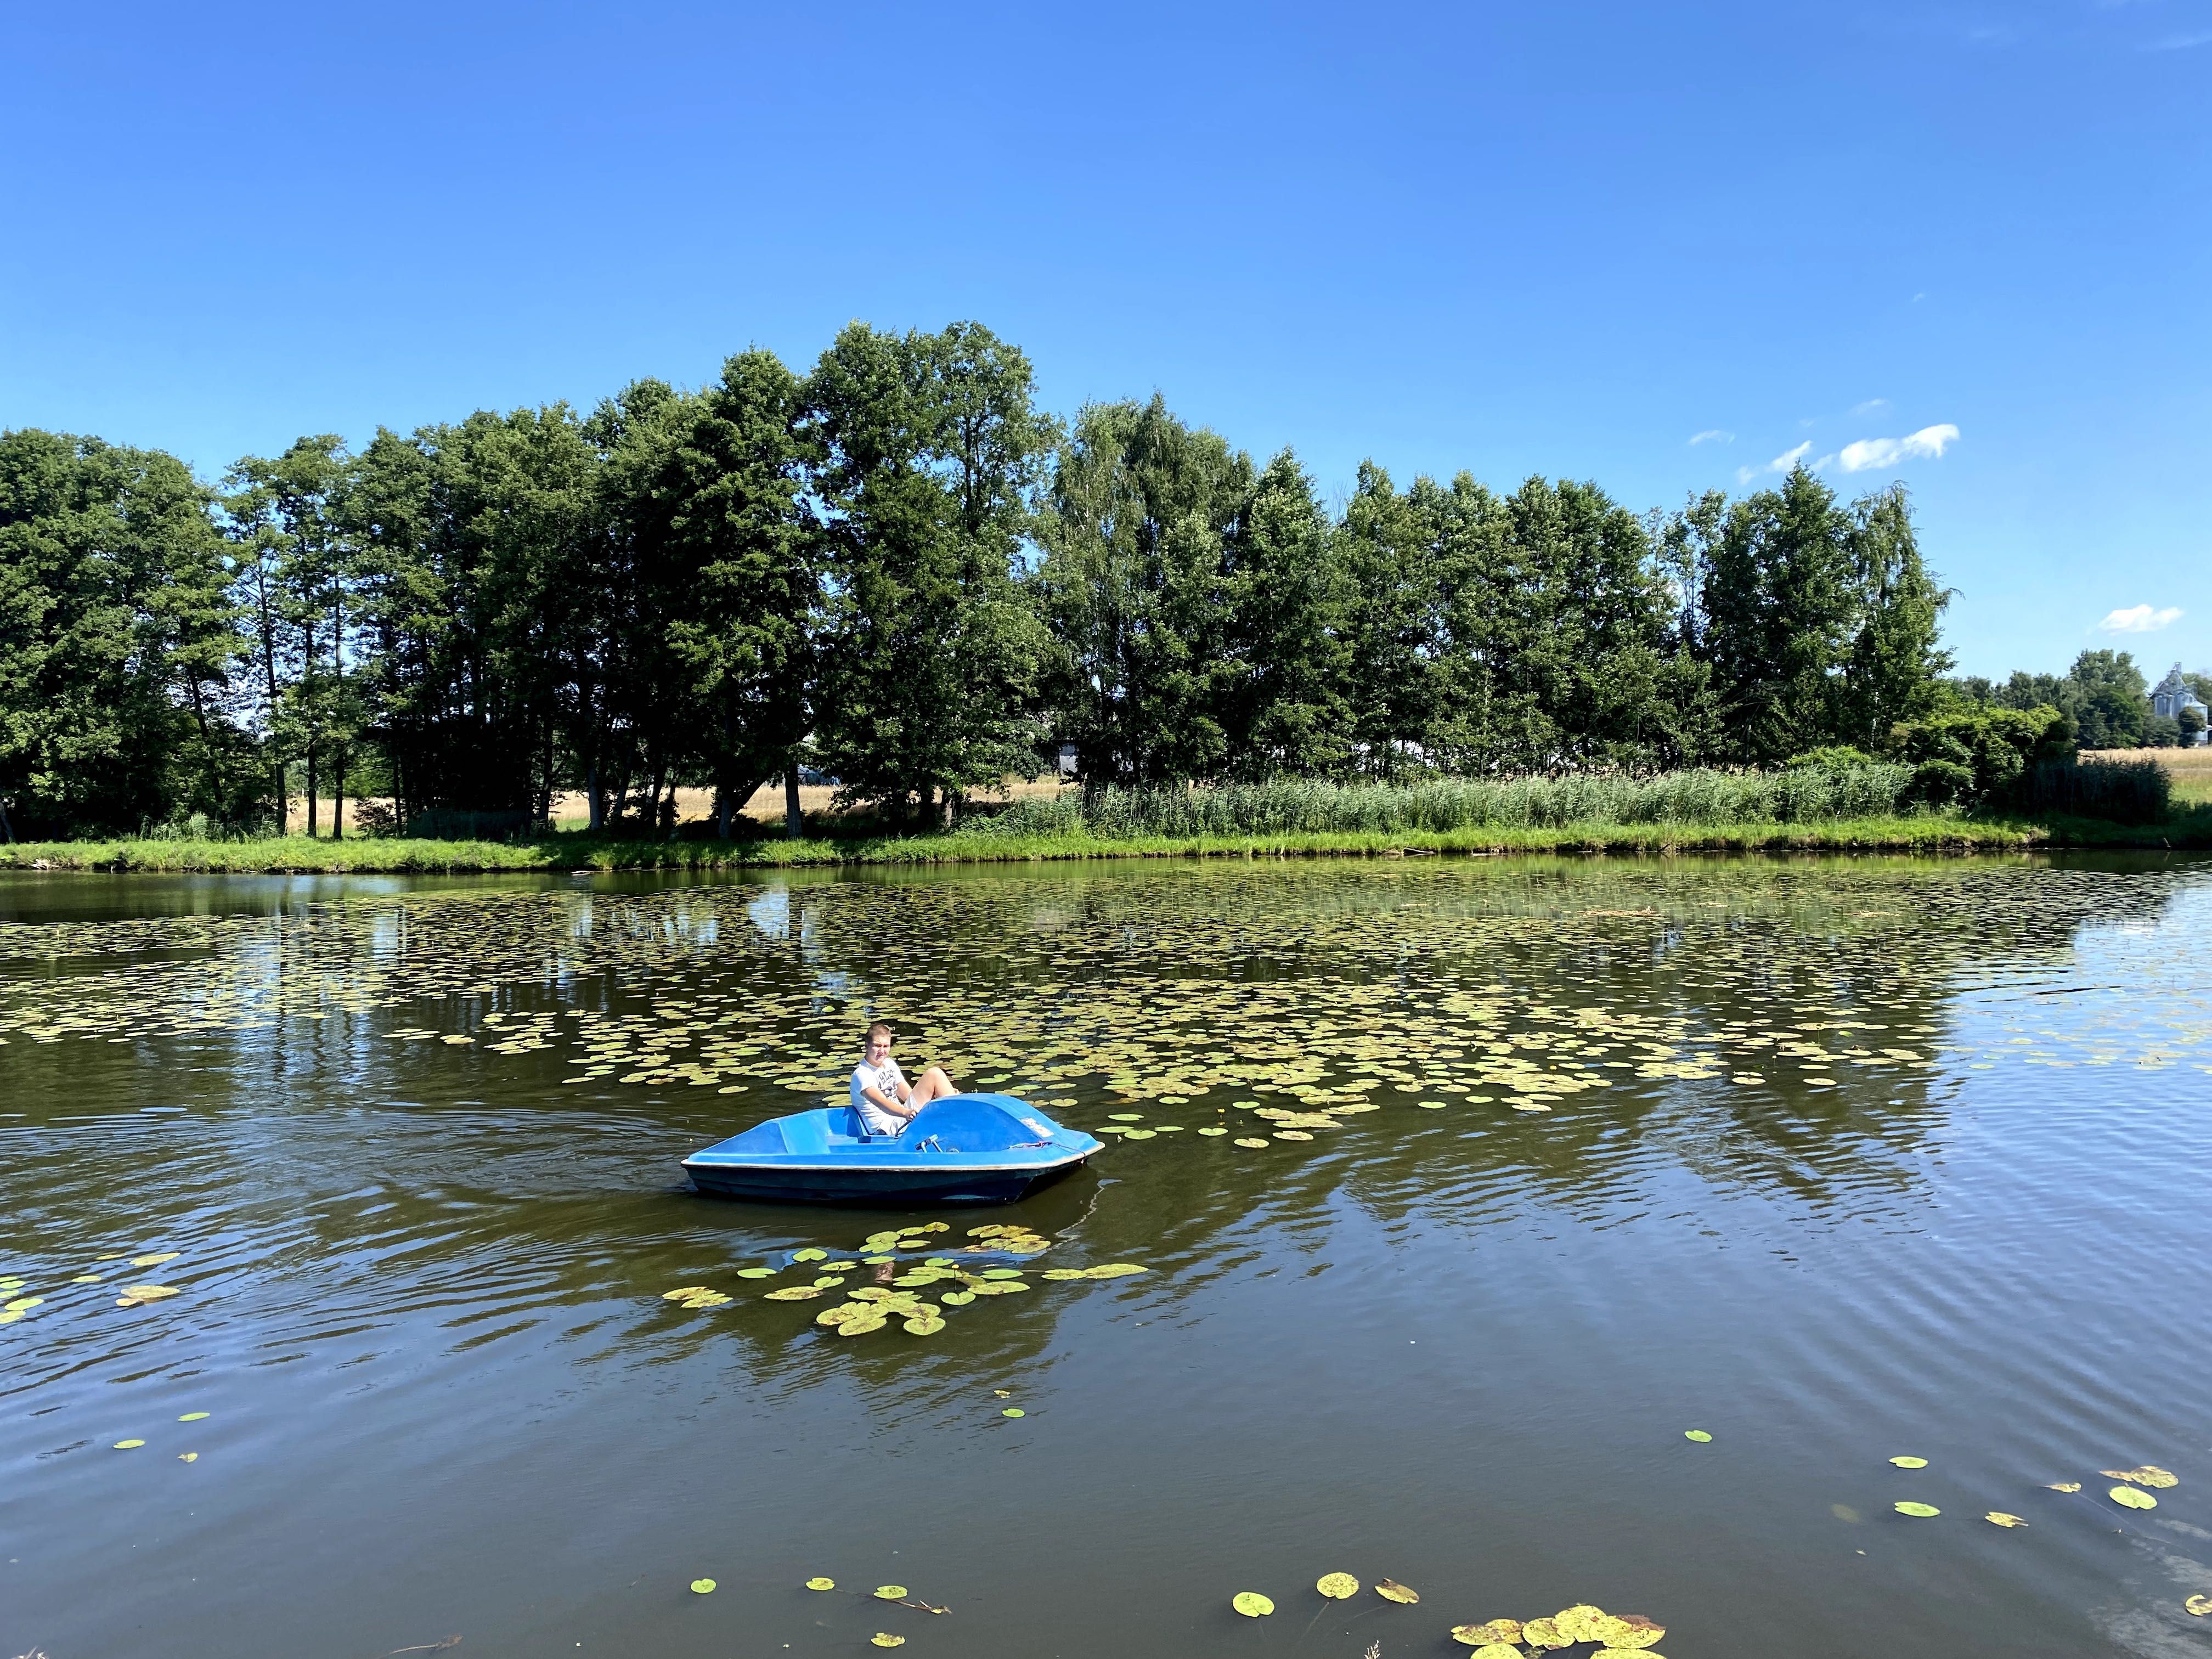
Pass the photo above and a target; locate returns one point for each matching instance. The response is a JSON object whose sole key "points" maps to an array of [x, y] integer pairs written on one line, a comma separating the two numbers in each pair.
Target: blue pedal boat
{"points": [[964, 1149]]}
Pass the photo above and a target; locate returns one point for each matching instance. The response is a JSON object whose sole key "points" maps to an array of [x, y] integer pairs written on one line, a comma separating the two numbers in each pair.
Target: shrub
{"points": [[2126, 792], [1979, 756]]}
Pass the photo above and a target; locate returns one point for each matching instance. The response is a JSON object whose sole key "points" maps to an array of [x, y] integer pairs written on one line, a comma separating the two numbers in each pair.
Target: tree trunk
{"points": [[722, 813], [593, 804], [6, 829], [337, 807], [795, 820], [311, 792]]}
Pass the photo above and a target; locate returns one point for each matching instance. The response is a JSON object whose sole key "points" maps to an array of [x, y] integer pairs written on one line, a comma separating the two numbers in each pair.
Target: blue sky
{"points": [[1566, 239]]}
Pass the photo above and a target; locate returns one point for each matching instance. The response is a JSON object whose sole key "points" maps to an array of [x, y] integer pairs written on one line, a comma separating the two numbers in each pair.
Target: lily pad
{"points": [[1391, 1591], [759, 1273], [1337, 1586], [927, 1325], [1697, 1435], [1910, 1462], [194, 1417], [821, 1583], [702, 1587], [2065, 1486], [1251, 1604], [2199, 1605], [1248, 1140], [1013, 1410], [1495, 1633], [1545, 1634], [1922, 1510], [2131, 1498], [1999, 1518], [155, 1260], [883, 1639], [2151, 1475], [125, 1445], [888, 1592]]}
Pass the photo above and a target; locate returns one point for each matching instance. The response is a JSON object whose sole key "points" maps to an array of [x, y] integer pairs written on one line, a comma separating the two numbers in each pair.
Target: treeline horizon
{"points": [[896, 570]]}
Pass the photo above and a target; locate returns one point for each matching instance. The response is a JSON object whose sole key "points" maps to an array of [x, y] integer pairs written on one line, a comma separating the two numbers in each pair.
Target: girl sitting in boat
{"points": [[882, 1097]]}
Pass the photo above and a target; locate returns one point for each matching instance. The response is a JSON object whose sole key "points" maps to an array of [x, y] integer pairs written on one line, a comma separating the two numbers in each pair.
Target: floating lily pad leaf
{"points": [[2151, 1475], [137, 1296], [682, 1291], [1697, 1435], [888, 1592], [25, 1304], [702, 1587], [2065, 1486], [809, 1255], [1127, 1117], [793, 1293], [193, 1416], [125, 1445], [1579, 1623], [86, 1279], [1251, 1604], [957, 1299], [1064, 1273], [1247, 1140], [188, 1457], [1013, 1410], [1496, 1632], [1545, 1634], [1633, 1631], [2199, 1605], [1115, 1270], [2131, 1498], [1337, 1585], [1002, 1273], [821, 1583], [1391, 1591], [1999, 1518], [759, 1273], [1922, 1510], [1292, 1134], [883, 1639], [1626, 1653], [1139, 1134], [1910, 1462], [929, 1325], [11, 1283], [155, 1260], [873, 1319], [1213, 1129]]}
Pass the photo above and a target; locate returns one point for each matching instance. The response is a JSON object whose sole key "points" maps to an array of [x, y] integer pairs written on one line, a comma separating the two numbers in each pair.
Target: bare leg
{"points": [[931, 1085]]}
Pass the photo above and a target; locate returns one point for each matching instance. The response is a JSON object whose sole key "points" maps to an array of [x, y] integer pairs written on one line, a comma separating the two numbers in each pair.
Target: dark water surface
{"points": [[1844, 1160]]}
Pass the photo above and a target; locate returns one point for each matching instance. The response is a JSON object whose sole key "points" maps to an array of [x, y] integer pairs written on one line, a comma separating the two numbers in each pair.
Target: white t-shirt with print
{"points": [[887, 1080]]}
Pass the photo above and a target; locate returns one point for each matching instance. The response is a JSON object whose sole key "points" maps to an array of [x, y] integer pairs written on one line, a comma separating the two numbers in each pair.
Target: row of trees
{"points": [[2105, 697], [896, 568]]}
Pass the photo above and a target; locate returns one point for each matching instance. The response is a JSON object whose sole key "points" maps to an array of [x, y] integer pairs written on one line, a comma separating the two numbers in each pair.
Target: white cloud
{"points": [[2183, 42], [1929, 440], [2140, 619], [1781, 463], [1870, 406], [1712, 435]]}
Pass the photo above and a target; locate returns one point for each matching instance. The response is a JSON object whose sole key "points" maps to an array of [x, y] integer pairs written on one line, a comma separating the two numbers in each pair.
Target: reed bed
{"points": [[1299, 807]]}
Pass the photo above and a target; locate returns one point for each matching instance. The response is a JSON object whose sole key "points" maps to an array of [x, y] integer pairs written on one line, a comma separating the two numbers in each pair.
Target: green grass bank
{"points": [[763, 849]]}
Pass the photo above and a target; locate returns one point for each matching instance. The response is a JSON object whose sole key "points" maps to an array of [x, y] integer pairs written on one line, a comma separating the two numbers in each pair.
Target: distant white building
{"points": [[2172, 694]]}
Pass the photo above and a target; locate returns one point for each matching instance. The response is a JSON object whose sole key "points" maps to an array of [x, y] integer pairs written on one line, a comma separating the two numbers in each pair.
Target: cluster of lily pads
{"points": [[1616, 1635], [869, 1308], [134, 1296]]}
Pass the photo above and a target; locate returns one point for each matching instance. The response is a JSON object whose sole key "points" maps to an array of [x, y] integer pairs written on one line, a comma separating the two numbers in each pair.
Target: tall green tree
{"points": [[931, 450], [1284, 707], [115, 638], [2108, 699], [725, 500], [1398, 589], [1131, 588], [1898, 663]]}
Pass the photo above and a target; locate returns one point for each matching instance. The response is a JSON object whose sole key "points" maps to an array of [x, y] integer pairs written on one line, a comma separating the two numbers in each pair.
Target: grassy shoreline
{"points": [[580, 852]]}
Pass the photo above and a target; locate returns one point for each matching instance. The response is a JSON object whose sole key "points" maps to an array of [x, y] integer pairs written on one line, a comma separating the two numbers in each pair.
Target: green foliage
{"points": [[1289, 806], [930, 654], [1979, 756], [2125, 791], [116, 640]]}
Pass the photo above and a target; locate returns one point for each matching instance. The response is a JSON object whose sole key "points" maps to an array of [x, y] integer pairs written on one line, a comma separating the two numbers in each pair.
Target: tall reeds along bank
{"points": [[2123, 790], [1293, 807]]}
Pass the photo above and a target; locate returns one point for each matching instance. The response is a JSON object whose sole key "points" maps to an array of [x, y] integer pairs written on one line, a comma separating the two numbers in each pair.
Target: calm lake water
{"points": [[1836, 1161]]}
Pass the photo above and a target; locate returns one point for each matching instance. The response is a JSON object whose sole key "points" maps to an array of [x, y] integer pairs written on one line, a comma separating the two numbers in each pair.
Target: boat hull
{"points": [[965, 1149], [857, 1188]]}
